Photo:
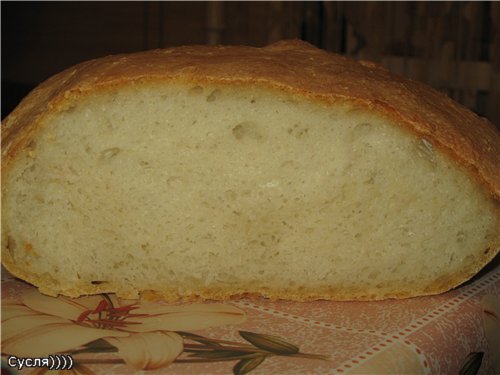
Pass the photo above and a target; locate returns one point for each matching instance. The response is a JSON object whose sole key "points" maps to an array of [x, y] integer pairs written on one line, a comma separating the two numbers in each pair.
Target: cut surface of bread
{"points": [[193, 187]]}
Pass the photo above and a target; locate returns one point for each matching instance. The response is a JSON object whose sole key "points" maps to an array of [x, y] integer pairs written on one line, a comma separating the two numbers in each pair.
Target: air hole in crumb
{"points": [[247, 130], [30, 148], [361, 130], [70, 109], [426, 150], [109, 153], [197, 90], [98, 282], [298, 131], [31, 145], [213, 95], [11, 244]]}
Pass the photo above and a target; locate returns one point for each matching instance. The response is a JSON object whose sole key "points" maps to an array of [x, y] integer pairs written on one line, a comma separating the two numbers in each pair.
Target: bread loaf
{"points": [[214, 172]]}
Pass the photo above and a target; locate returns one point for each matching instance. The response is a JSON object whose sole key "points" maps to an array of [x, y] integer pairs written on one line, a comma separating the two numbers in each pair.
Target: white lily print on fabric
{"points": [[143, 333]]}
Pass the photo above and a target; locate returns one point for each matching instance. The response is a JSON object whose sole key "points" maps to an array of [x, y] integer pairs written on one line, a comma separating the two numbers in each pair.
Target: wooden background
{"points": [[453, 46]]}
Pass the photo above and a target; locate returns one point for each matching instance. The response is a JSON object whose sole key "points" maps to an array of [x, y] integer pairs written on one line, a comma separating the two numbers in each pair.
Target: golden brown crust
{"points": [[230, 292], [291, 66]]}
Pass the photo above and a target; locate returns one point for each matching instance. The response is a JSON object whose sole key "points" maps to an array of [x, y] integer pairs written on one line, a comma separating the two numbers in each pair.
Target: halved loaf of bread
{"points": [[213, 172]]}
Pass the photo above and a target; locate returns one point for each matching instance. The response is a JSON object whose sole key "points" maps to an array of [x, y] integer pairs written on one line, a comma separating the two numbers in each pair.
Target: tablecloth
{"points": [[442, 334]]}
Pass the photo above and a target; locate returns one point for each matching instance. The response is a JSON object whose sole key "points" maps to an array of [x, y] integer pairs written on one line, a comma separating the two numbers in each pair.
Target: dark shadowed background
{"points": [[453, 46]]}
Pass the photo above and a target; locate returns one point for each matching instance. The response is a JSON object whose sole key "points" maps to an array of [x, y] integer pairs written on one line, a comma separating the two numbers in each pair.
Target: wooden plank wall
{"points": [[453, 46]]}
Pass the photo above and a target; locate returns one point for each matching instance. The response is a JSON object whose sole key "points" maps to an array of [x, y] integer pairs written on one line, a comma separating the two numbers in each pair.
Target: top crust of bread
{"points": [[292, 66]]}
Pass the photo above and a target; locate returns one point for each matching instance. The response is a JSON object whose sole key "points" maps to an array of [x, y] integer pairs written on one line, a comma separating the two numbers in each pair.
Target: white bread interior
{"points": [[210, 190]]}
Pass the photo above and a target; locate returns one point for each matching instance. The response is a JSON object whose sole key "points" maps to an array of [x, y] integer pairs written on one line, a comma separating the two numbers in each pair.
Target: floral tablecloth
{"points": [[444, 334]]}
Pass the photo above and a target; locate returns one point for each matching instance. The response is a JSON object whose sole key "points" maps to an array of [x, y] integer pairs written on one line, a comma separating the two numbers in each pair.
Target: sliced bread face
{"points": [[195, 189], [212, 172]]}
